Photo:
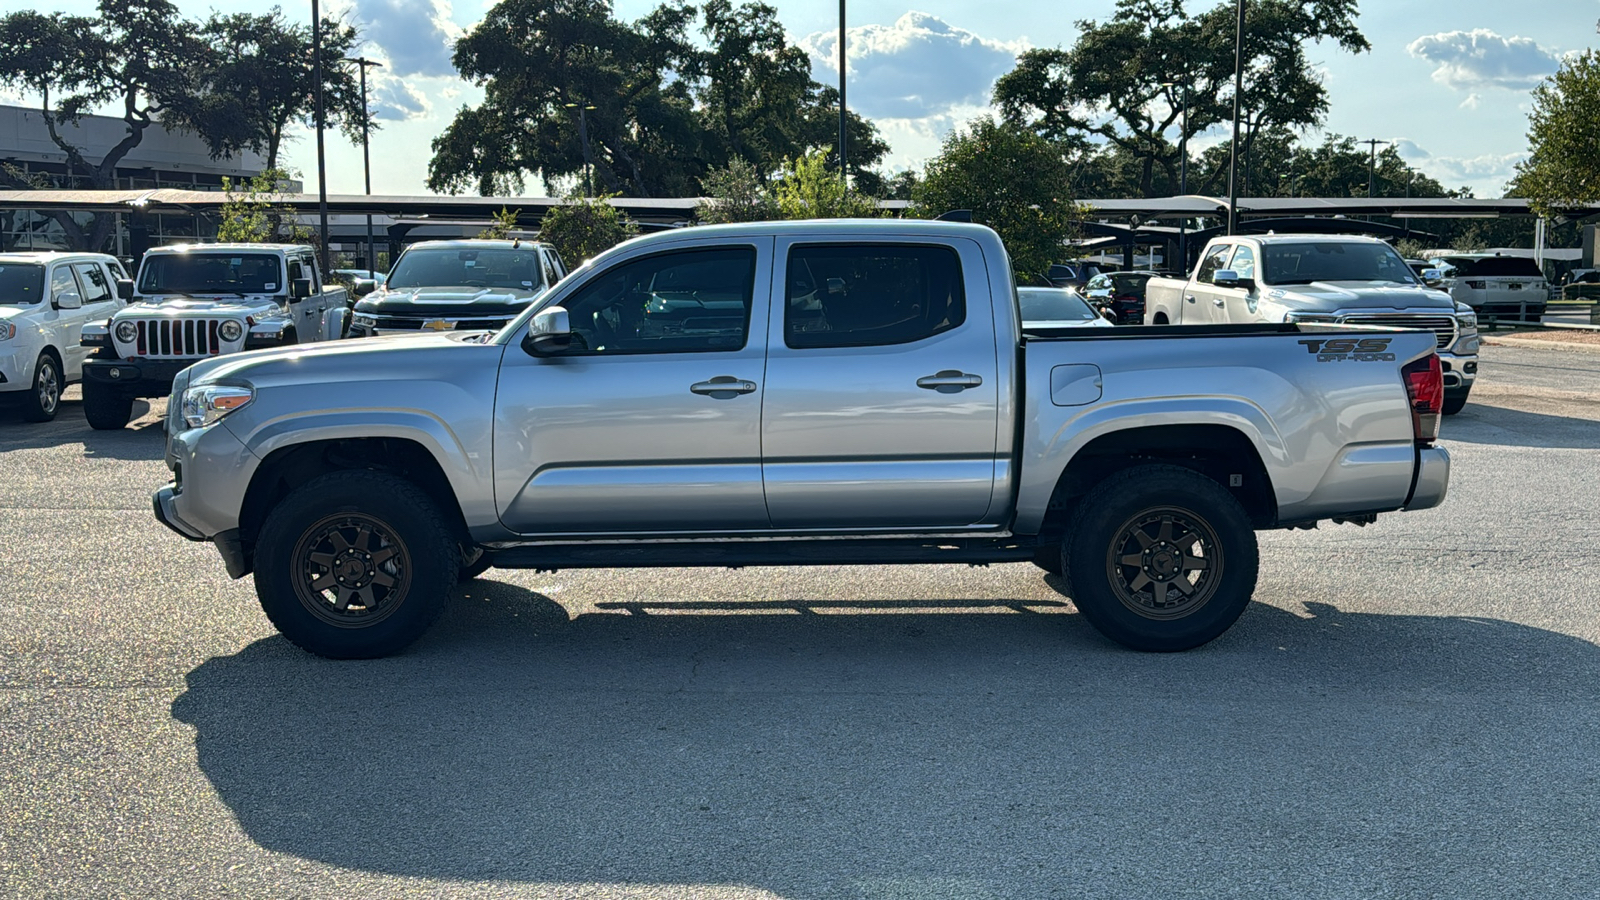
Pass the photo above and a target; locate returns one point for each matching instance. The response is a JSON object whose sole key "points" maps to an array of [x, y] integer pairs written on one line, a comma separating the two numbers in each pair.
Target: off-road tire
{"points": [[1139, 533], [1048, 558], [106, 408], [42, 400], [377, 542]]}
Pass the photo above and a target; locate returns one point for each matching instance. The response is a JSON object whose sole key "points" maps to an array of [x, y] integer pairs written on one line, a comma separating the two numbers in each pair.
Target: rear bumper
{"points": [[1433, 478]]}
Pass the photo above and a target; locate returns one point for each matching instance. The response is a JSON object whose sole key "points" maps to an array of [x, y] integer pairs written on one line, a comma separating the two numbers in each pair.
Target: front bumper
{"points": [[1460, 371], [228, 543], [137, 377], [1432, 480]]}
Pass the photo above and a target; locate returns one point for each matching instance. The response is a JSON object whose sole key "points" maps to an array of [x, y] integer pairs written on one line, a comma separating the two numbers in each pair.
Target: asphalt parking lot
{"points": [[1408, 710]]}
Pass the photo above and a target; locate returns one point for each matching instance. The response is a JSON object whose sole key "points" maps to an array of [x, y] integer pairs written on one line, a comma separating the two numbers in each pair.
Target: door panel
{"points": [[850, 439], [614, 437]]}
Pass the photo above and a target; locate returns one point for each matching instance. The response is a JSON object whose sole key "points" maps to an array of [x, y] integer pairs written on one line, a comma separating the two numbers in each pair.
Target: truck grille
{"points": [[177, 338], [417, 323], [1443, 327]]}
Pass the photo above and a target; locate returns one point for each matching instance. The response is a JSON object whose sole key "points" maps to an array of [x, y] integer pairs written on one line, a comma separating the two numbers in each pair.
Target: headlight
{"points": [[210, 402], [1467, 321], [1309, 317], [126, 332], [230, 330], [7, 331]]}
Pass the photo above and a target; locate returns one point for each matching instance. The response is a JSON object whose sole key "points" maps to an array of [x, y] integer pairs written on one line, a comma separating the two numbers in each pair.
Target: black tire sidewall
{"points": [[32, 409], [106, 408], [1454, 403], [1102, 514], [416, 523]]}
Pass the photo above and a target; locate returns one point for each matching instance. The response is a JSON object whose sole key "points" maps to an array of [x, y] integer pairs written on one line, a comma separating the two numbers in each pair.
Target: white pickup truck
{"points": [[794, 393], [197, 301], [1335, 279]]}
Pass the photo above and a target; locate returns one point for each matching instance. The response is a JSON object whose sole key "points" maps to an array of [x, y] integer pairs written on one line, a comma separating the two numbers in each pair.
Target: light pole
{"points": [[322, 165], [1233, 149], [1183, 170], [1372, 163], [583, 138], [843, 169], [366, 159]]}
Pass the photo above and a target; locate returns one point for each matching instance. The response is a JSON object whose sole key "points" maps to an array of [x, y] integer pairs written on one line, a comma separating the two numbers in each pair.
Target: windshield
{"points": [[1334, 261], [1053, 305], [211, 273], [452, 267], [21, 284]]}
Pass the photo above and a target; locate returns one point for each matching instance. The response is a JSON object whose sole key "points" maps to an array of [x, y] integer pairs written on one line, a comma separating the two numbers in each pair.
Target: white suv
{"points": [[45, 300]]}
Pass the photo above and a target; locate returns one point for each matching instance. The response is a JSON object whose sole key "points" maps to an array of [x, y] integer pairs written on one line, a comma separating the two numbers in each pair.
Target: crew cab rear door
{"points": [[651, 422], [881, 397]]}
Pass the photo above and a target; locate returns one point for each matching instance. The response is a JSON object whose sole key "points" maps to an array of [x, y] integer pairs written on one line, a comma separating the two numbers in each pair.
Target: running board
{"points": [[737, 554]]}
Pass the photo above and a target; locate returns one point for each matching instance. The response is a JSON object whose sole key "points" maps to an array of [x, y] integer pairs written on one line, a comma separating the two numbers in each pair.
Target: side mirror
{"points": [[125, 288], [1109, 314], [69, 300], [1228, 278], [363, 287], [300, 289], [549, 333], [1432, 276]]}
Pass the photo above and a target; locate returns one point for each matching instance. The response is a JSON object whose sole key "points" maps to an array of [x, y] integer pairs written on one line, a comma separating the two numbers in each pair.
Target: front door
{"points": [[1203, 302], [882, 394], [651, 422]]}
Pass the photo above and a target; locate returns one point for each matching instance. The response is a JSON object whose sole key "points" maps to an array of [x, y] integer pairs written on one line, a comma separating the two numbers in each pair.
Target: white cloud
{"points": [[1486, 174], [393, 99], [416, 36], [1471, 102], [1471, 60], [916, 68]]}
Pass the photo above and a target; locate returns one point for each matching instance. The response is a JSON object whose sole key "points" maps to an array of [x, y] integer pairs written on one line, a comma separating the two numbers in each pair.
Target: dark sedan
{"points": [[1120, 292]]}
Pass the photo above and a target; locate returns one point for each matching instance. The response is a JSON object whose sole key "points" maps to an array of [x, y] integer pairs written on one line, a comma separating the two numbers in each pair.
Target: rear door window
{"points": [[861, 295]]}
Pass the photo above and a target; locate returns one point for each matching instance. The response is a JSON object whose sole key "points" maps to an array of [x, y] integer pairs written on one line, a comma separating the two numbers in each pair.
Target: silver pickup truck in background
{"points": [[800, 393], [1338, 279]]}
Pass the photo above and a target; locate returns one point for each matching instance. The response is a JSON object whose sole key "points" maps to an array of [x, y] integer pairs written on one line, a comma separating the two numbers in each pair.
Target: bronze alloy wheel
{"points": [[1165, 563], [350, 571]]}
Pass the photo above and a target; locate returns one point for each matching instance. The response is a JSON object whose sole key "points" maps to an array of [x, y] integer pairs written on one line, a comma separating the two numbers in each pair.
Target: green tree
{"points": [[810, 189], [1013, 181], [138, 56], [583, 227], [1125, 81], [569, 88], [737, 193], [256, 211], [259, 81], [501, 225], [1564, 134]]}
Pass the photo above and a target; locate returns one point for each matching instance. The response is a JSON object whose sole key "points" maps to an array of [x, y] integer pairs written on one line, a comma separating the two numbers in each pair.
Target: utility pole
{"points": [[1372, 163], [843, 168], [322, 165], [1183, 169], [366, 158], [1238, 99]]}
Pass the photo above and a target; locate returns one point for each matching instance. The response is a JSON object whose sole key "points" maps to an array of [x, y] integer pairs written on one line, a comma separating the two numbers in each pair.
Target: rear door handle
{"points": [[1217, 302], [723, 387], [949, 381]]}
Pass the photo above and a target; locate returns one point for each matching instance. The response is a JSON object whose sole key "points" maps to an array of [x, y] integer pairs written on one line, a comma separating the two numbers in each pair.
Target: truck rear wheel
{"points": [[1161, 558], [355, 565], [106, 408]]}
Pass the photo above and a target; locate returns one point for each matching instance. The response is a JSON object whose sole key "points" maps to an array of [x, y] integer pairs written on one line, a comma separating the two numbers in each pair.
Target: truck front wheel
{"points": [[1455, 401], [107, 408], [1161, 558], [355, 565]]}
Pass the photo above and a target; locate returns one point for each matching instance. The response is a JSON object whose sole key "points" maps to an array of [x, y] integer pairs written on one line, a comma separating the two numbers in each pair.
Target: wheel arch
{"points": [[287, 468], [1217, 451]]}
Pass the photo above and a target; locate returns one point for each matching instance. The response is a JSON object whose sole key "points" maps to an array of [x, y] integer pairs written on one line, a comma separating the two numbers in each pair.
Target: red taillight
{"points": [[1129, 298], [1425, 387]]}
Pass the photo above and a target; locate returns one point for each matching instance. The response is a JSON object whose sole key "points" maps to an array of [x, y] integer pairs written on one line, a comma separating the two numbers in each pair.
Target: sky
{"points": [[1447, 80]]}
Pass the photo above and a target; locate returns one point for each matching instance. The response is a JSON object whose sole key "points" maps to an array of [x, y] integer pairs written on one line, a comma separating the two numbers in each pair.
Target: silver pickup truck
{"points": [[802, 393], [1342, 279]]}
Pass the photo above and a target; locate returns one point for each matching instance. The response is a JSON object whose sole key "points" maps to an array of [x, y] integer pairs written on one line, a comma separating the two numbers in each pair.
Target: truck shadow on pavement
{"points": [[143, 439], [1498, 425], [934, 749]]}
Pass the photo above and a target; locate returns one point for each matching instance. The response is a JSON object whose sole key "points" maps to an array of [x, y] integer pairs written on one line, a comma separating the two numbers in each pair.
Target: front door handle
{"points": [[723, 387], [949, 381], [1189, 297], [1217, 302]]}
